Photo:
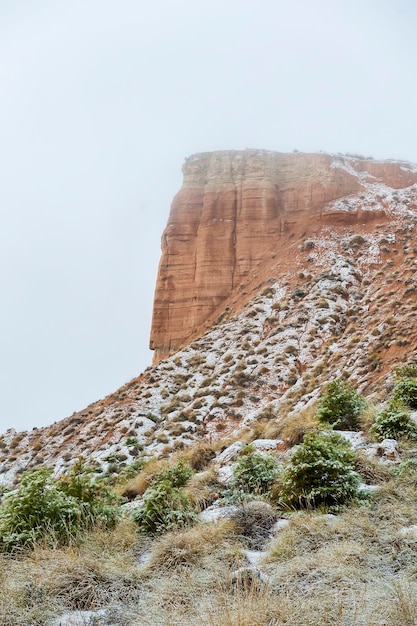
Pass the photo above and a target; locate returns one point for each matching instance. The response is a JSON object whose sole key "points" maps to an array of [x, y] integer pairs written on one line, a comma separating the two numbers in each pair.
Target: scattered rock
{"points": [[355, 438], [216, 512], [230, 453], [413, 416], [388, 449], [268, 445], [364, 488], [133, 505], [409, 531], [225, 475]]}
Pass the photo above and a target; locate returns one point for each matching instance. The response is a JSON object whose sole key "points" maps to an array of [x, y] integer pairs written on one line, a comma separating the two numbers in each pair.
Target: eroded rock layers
{"points": [[236, 210]]}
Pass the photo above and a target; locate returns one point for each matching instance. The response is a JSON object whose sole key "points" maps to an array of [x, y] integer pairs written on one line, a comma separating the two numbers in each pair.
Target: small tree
{"points": [[341, 406], [321, 471], [254, 472], [177, 475], [165, 508], [405, 390], [394, 422]]}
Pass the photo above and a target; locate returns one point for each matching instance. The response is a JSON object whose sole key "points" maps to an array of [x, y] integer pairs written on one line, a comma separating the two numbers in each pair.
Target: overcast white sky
{"points": [[101, 101]]}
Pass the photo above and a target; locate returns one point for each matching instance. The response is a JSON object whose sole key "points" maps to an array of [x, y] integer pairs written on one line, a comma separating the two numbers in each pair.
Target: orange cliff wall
{"points": [[233, 211]]}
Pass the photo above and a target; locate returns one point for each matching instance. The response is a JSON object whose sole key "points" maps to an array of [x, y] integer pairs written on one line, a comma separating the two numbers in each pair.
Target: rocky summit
{"points": [[242, 216], [279, 272]]}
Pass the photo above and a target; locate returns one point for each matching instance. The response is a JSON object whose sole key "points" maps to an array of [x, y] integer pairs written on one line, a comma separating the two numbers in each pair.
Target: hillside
{"points": [[336, 295], [262, 472]]}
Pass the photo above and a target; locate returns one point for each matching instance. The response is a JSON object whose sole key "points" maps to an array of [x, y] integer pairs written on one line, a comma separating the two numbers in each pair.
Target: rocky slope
{"points": [[316, 279], [238, 211]]}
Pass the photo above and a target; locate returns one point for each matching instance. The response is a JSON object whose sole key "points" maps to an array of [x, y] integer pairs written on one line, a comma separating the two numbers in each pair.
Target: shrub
{"points": [[177, 475], [405, 390], [254, 472], [406, 470], [165, 508], [132, 441], [61, 508], [393, 423], [341, 406], [321, 471], [409, 370]]}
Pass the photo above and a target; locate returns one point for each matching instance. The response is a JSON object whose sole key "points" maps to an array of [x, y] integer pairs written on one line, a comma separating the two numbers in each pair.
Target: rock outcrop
{"points": [[281, 287], [238, 209]]}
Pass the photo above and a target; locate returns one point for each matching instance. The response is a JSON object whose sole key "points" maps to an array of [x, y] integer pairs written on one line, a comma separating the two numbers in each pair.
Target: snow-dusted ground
{"points": [[275, 355]]}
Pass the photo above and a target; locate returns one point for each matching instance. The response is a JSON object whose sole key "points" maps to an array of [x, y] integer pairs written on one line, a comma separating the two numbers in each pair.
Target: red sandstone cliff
{"points": [[236, 210]]}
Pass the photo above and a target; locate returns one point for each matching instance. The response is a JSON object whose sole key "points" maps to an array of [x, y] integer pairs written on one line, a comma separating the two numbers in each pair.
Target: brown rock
{"points": [[237, 209]]}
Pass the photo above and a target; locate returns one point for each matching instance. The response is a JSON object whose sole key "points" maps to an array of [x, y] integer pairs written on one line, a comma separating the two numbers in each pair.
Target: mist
{"points": [[102, 102]]}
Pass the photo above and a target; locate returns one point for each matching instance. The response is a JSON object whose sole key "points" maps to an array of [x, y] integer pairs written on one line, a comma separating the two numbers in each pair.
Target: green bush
{"points": [[405, 390], [393, 423], [409, 370], [59, 509], [165, 508], [178, 475], [254, 472], [406, 470], [341, 406], [320, 472]]}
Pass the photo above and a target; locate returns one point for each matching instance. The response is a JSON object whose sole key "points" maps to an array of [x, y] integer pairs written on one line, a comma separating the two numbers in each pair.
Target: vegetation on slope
{"points": [[69, 546]]}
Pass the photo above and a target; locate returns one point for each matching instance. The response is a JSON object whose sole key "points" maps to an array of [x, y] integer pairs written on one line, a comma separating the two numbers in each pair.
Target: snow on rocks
{"points": [[268, 445], [413, 416], [388, 450], [354, 437], [225, 475], [249, 576], [409, 531], [230, 453], [216, 512], [364, 488], [255, 556], [133, 505]]}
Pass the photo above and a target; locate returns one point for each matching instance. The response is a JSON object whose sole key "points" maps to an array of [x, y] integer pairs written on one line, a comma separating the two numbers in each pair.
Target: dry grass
{"points": [[368, 416], [203, 488], [187, 547], [199, 455], [137, 485], [356, 569], [290, 427], [371, 469], [253, 522], [100, 572]]}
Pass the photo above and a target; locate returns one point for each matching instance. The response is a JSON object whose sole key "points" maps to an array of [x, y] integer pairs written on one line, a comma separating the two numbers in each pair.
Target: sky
{"points": [[102, 100]]}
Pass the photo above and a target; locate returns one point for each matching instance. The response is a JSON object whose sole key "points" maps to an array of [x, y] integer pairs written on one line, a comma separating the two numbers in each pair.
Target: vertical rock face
{"points": [[236, 209]]}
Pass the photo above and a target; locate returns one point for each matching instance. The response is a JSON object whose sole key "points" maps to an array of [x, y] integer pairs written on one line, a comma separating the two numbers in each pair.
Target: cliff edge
{"points": [[240, 212]]}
